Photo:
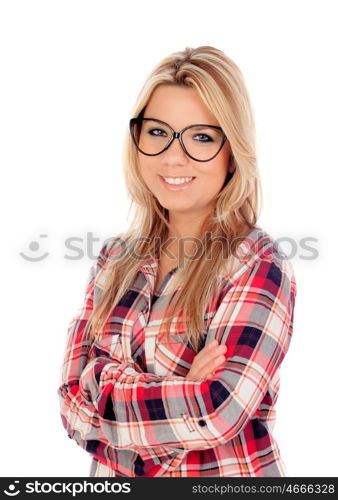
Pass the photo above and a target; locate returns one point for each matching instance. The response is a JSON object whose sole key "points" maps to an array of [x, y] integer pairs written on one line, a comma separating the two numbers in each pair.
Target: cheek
{"points": [[147, 166], [216, 175], [144, 170]]}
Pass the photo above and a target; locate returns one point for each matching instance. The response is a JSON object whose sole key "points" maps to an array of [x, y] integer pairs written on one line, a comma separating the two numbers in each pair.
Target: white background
{"points": [[70, 74]]}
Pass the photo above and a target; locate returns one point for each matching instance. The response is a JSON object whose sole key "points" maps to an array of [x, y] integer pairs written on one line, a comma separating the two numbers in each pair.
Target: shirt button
{"points": [[202, 423]]}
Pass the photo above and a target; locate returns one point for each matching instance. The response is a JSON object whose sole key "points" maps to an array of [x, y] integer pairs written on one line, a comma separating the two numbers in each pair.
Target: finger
{"points": [[216, 349], [218, 362], [207, 348], [209, 368], [208, 357], [204, 361]]}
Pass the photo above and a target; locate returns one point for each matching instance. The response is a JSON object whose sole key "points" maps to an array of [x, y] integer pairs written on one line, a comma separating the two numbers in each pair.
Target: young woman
{"points": [[172, 363]]}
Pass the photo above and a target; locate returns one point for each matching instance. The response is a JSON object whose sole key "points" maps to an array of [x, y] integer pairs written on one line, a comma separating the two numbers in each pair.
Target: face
{"points": [[181, 107]]}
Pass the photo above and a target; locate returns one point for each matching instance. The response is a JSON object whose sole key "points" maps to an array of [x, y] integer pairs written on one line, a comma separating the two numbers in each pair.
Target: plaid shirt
{"points": [[125, 399]]}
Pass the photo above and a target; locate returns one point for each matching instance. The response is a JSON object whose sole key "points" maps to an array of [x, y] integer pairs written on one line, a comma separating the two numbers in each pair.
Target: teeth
{"points": [[180, 180]]}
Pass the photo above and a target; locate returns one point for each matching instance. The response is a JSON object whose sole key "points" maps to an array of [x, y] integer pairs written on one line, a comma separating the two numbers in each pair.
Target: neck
{"points": [[186, 229]]}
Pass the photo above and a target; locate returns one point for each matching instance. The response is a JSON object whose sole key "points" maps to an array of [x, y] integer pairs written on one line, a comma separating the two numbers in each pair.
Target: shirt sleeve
{"points": [[254, 320], [79, 416]]}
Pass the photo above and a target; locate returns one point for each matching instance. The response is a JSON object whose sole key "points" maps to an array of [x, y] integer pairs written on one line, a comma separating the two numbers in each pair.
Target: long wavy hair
{"points": [[221, 86]]}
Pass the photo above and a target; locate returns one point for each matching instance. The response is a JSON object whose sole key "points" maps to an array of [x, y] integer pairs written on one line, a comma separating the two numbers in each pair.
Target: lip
{"points": [[177, 187]]}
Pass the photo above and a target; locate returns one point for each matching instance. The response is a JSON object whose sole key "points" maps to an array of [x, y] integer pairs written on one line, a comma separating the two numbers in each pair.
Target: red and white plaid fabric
{"points": [[125, 399]]}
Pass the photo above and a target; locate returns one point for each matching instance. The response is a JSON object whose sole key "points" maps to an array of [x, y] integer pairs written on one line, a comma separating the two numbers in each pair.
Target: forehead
{"points": [[178, 106]]}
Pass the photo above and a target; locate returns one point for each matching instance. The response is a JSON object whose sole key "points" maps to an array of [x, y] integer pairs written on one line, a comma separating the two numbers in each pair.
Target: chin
{"points": [[177, 207]]}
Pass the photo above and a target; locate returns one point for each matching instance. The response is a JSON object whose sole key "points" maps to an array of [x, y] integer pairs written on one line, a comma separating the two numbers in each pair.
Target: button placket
{"points": [[151, 332]]}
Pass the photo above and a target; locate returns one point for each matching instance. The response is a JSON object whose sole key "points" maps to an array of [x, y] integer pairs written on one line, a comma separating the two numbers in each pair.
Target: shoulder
{"points": [[259, 258], [110, 251]]}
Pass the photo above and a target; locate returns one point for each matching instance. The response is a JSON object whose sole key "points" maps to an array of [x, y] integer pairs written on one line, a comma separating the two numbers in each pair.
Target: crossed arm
{"points": [[112, 401]]}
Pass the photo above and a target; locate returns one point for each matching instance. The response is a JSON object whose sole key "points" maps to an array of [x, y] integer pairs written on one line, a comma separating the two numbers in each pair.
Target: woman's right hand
{"points": [[207, 361]]}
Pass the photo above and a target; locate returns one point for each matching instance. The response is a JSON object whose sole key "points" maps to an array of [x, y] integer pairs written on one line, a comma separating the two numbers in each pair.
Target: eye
{"points": [[203, 138], [157, 132]]}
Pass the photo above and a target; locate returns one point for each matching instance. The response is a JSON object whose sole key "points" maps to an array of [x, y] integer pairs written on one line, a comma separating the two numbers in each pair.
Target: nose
{"points": [[174, 154]]}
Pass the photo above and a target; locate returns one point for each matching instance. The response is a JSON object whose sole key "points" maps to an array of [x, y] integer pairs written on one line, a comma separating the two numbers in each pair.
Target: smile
{"points": [[177, 183]]}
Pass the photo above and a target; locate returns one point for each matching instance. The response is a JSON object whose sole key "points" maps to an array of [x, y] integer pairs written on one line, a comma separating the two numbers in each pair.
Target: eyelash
{"points": [[152, 130], [210, 139]]}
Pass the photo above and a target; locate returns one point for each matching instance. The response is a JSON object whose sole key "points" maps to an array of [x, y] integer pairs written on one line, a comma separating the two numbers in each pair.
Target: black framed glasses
{"points": [[200, 142]]}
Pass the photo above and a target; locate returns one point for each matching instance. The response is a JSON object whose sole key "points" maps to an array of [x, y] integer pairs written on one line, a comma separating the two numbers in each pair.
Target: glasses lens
{"points": [[202, 142], [151, 136]]}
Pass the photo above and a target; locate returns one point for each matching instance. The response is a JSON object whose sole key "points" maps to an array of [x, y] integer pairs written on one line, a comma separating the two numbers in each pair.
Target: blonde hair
{"points": [[222, 88]]}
